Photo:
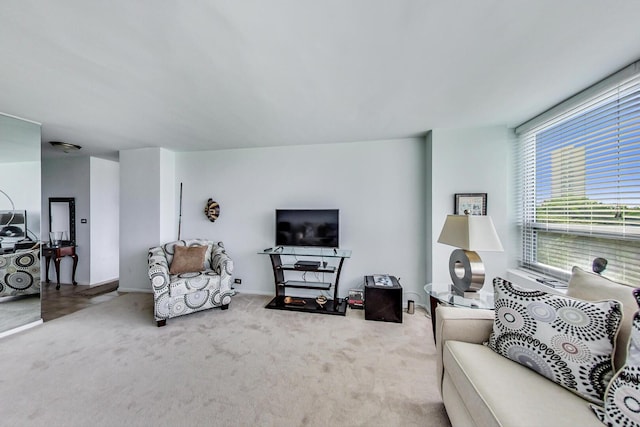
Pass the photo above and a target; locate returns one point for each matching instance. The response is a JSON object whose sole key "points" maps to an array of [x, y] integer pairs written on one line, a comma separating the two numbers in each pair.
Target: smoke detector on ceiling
{"points": [[64, 146]]}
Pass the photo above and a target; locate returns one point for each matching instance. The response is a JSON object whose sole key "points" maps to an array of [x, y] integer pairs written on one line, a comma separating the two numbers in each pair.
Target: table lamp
{"points": [[470, 233]]}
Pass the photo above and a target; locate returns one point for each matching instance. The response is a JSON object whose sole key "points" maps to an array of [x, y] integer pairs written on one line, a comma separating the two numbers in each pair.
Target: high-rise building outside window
{"points": [[579, 182]]}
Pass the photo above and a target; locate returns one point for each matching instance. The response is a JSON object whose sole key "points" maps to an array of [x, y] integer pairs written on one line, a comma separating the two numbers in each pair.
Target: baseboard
{"points": [[143, 291], [238, 291], [104, 282], [254, 292], [20, 328], [257, 292]]}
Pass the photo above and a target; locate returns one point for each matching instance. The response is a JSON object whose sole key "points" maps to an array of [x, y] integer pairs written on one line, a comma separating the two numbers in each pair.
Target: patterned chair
{"points": [[184, 293], [20, 273]]}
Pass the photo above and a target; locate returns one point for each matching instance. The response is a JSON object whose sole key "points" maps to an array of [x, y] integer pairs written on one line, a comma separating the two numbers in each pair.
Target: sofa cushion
{"points": [[593, 287], [188, 259], [499, 392], [567, 340], [622, 398]]}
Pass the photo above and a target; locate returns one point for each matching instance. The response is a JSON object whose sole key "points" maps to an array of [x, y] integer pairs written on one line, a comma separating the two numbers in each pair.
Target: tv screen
{"points": [[13, 225], [310, 227]]}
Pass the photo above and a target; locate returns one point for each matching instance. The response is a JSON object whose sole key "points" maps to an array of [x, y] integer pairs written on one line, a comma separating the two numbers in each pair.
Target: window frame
{"points": [[597, 230]]}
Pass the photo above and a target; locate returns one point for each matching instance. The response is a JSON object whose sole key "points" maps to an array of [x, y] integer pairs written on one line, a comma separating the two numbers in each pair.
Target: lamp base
{"points": [[465, 293], [466, 270]]}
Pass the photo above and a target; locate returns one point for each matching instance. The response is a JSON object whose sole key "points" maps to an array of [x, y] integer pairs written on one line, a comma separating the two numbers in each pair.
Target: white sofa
{"points": [[480, 387]]}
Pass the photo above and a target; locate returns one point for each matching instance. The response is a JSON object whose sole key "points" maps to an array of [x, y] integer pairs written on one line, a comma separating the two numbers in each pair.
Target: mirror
{"points": [[62, 218], [20, 196]]}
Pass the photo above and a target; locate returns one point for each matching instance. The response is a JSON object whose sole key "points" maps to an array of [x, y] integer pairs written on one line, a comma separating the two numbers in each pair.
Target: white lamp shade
{"points": [[470, 232]]}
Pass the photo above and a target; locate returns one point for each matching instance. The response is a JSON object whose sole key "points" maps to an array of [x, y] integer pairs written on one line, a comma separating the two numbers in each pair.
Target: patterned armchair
{"points": [[178, 294], [20, 273]]}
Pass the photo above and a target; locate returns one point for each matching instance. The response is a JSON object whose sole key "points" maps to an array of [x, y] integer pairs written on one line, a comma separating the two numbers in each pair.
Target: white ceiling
{"points": [[206, 74]]}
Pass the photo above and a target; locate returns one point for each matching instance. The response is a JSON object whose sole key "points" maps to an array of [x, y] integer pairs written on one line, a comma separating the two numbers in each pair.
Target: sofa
{"points": [[189, 276], [20, 273], [480, 387]]}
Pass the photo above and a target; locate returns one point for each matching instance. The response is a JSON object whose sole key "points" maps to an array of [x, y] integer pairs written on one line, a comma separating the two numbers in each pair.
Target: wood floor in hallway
{"points": [[69, 299]]}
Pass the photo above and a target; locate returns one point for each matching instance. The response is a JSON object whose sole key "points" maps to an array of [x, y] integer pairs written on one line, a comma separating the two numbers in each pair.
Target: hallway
{"points": [[69, 299]]}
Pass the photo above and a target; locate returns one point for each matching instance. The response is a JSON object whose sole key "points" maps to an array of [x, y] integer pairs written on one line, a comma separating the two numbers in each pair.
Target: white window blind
{"points": [[579, 181]]}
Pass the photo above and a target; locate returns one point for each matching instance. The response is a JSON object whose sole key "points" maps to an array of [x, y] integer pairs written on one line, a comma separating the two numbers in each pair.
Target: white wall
{"points": [[393, 198], [20, 166], [428, 232], [94, 183], [104, 221], [143, 183], [69, 177], [20, 181], [168, 197], [378, 187], [474, 160]]}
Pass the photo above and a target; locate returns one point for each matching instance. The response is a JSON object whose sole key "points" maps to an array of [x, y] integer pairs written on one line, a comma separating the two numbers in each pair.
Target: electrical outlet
{"points": [[237, 281]]}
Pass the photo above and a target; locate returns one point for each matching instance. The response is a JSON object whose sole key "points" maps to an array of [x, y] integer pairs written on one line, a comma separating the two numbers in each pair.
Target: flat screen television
{"points": [[307, 227], [13, 225]]}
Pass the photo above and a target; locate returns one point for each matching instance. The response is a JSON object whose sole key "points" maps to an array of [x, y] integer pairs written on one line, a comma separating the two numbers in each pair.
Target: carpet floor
{"points": [[18, 311], [109, 365]]}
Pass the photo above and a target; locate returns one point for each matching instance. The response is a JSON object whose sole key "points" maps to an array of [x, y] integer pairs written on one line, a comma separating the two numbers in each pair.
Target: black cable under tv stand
{"points": [[281, 258]]}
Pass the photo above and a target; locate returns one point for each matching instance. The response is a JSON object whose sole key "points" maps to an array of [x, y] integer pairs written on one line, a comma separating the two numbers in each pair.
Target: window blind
{"points": [[579, 180]]}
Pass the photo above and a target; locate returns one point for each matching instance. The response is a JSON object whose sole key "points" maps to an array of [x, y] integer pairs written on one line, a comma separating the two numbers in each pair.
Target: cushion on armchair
{"points": [[188, 259]]}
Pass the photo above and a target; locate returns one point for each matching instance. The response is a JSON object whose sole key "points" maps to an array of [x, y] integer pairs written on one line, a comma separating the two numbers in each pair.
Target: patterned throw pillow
{"points": [[567, 340], [622, 398]]}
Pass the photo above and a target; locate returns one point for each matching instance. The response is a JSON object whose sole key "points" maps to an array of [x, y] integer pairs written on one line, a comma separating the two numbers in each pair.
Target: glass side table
{"points": [[441, 293]]}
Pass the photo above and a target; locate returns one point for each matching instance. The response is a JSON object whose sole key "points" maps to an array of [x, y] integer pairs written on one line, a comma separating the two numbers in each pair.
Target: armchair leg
{"points": [[162, 322], [224, 306]]}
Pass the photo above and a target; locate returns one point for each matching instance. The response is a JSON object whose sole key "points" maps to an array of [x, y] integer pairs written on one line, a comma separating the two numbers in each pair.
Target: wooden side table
{"points": [[441, 293], [57, 253]]}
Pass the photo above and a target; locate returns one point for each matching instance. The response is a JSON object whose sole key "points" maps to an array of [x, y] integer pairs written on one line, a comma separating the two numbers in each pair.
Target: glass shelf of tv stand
{"points": [[307, 251], [293, 254], [319, 269]]}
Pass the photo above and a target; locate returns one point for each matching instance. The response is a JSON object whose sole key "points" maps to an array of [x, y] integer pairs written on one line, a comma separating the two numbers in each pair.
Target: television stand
{"points": [[284, 259]]}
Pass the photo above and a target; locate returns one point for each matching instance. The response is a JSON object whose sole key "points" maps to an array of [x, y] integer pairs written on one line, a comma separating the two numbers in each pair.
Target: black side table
{"points": [[382, 303]]}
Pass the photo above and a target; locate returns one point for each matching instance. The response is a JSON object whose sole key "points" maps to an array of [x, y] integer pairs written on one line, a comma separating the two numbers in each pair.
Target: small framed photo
{"points": [[470, 203]]}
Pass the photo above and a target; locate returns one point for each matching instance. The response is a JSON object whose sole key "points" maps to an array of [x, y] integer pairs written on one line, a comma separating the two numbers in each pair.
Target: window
{"points": [[580, 182]]}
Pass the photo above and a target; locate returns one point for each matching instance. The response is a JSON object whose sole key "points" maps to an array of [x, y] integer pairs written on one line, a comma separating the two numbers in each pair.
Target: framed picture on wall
{"points": [[470, 203]]}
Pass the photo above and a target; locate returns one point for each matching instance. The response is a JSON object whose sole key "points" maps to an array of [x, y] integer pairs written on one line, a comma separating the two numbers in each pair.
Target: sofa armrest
{"points": [[460, 324], [158, 271], [222, 264]]}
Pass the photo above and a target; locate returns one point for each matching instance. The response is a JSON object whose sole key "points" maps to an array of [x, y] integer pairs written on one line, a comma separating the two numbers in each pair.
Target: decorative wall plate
{"points": [[212, 210]]}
